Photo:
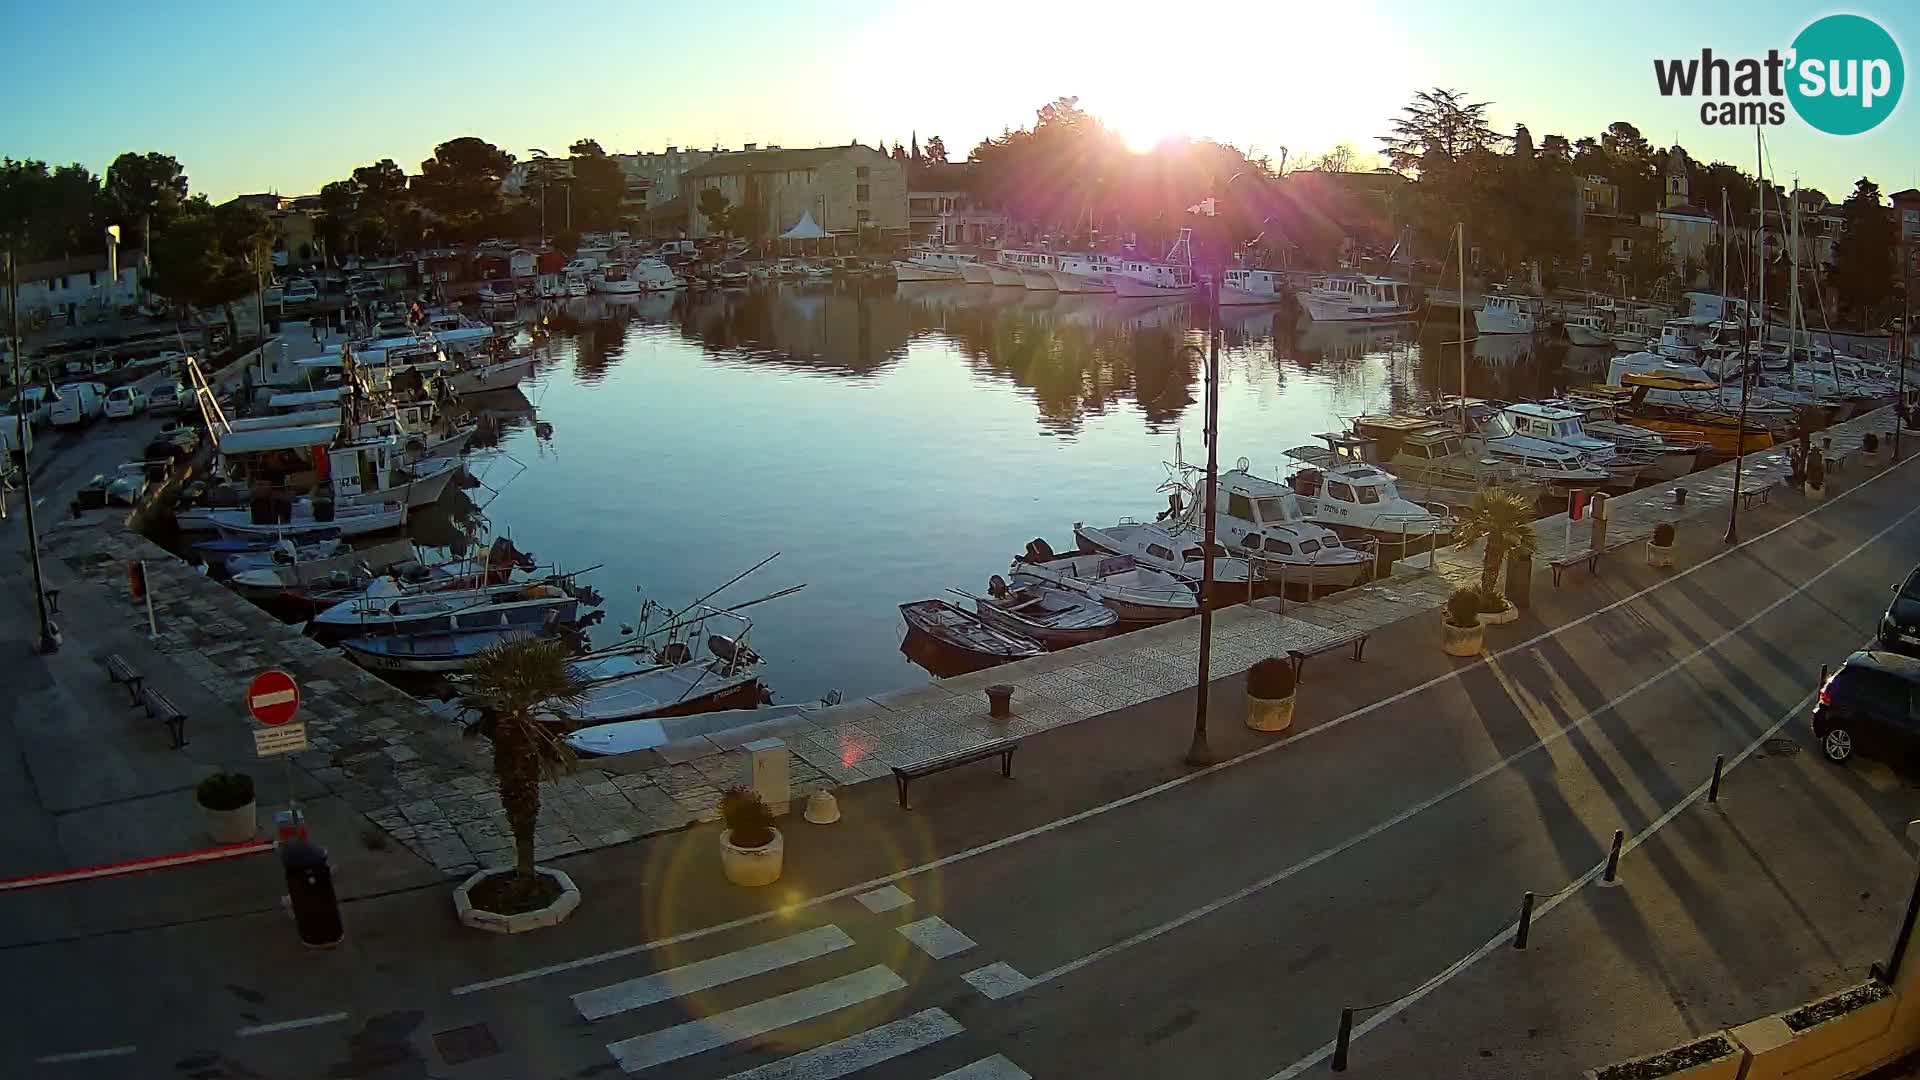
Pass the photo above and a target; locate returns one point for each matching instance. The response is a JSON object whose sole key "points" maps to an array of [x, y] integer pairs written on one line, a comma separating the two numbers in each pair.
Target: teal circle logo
{"points": [[1847, 74]]}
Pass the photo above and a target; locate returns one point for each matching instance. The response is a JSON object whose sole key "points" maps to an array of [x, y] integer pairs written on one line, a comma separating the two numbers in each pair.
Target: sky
{"points": [[270, 97]]}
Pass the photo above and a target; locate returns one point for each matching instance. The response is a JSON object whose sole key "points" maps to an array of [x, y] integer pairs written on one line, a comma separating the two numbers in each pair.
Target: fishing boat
{"points": [[976, 272], [1434, 462], [1507, 314], [1587, 330], [1054, 617], [1135, 593], [678, 670], [1356, 297], [613, 280], [1553, 464], [1172, 546], [303, 519], [1090, 273], [1355, 498], [219, 547], [437, 651], [1252, 287], [634, 736], [1562, 427], [1172, 276], [283, 551], [500, 373], [497, 292], [1032, 268], [1668, 458], [1262, 520], [390, 607], [932, 262], [963, 632], [1004, 273], [1717, 426]]}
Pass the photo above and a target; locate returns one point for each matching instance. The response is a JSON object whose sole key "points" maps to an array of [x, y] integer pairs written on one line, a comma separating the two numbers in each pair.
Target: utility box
{"points": [[769, 764]]}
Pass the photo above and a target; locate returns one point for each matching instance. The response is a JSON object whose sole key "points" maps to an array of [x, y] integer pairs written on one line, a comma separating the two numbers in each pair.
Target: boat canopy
{"points": [[264, 440], [299, 400]]}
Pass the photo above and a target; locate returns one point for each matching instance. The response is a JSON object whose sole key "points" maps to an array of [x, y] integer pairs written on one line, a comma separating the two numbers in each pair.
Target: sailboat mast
{"points": [[1460, 260], [1760, 246]]}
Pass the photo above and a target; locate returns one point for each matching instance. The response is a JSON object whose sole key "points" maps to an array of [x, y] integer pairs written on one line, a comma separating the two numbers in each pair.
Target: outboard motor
{"points": [[997, 587], [1038, 550], [728, 649]]}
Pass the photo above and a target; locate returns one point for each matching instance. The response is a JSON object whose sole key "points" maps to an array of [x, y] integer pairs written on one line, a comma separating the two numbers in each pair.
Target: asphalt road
{"points": [[1213, 927]]}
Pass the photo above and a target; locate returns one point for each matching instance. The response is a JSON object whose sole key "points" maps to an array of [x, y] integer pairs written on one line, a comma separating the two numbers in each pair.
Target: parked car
{"points": [[1871, 705], [124, 402], [79, 403], [166, 398], [300, 291], [1900, 626]]}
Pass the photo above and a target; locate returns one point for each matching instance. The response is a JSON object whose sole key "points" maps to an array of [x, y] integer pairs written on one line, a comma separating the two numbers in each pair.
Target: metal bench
{"points": [[1590, 557], [161, 708], [1000, 748], [119, 671], [1355, 638], [1761, 494]]}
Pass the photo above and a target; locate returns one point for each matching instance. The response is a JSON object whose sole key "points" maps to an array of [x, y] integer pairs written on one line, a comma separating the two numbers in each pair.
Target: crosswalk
{"points": [[798, 996]]}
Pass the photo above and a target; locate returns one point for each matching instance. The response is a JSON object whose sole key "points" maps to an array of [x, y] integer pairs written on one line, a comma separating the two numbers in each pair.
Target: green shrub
{"points": [[1271, 679], [747, 817], [1463, 607], [225, 791], [1663, 534]]}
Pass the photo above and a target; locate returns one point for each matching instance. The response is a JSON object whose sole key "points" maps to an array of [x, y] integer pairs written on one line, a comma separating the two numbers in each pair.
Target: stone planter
{"points": [[1462, 640], [1658, 556], [1858, 1036], [1500, 618], [1270, 714], [752, 867], [552, 915], [1710, 1057], [235, 826]]}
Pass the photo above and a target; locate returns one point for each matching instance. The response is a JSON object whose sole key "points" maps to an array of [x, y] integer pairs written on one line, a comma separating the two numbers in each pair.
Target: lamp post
{"points": [[540, 160], [1906, 344], [49, 634]]}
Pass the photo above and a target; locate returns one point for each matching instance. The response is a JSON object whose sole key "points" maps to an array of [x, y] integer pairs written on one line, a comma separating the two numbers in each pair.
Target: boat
{"points": [[502, 373], [436, 651], [1054, 617], [1562, 426], [1172, 546], [1557, 466], [389, 607], [614, 280], [219, 547], [313, 585], [1356, 297], [1033, 268], [1507, 314], [1587, 330], [1172, 276], [932, 262], [659, 673], [976, 272], [1712, 424], [1005, 276], [1262, 520], [634, 736], [282, 551], [303, 519], [497, 292], [1086, 273], [1668, 458], [1434, 462], [1137, 594], [1337, 488], [963, 632], [1247, 286], [577, 283]]}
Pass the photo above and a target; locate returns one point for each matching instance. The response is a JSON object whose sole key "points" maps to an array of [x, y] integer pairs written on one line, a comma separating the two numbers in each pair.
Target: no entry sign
{"points": [[272, 697]]}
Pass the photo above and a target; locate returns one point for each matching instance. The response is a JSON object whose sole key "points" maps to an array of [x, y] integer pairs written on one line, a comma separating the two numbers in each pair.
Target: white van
{"points": [[80, 403], [34, 402], [124, 402]]}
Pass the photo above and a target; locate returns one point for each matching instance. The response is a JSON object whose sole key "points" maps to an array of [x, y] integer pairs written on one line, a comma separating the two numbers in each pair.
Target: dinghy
{"points": [[660, 675], [281, 553], [1135, 593], [963, 632], [442, 650], [388, 607], [1052, 616]]}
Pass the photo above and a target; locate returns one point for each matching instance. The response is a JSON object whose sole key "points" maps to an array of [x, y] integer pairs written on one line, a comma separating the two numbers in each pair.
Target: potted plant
{"points": [[1816, 483], [527, 684], [1660, 545], [1461, 624], [227, 797], [1270, 690], [1870, 450], [751, 849], [1504, 519]]}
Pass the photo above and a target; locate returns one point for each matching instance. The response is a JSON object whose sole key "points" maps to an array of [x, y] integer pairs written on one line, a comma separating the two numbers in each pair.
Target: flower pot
{"points": [[1659, 556], [1505, 615], [1462, 640], [1270, 714], [235, 826], [752, 867]]}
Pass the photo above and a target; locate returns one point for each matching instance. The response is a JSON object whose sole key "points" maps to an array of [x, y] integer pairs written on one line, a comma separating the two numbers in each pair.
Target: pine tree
{"points": [[1863, 263]]}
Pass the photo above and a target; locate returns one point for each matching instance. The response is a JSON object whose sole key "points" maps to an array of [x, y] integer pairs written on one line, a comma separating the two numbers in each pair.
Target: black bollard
{"points": [[1713, 789], [316, 911], [1526, 921], [1613, 859], [1340, 1041]]}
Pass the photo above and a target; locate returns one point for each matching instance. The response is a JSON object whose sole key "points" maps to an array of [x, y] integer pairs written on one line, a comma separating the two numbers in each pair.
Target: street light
{"points": [[49, 634]]}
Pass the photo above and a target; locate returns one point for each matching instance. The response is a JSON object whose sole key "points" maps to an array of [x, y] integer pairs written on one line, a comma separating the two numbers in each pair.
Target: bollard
{"points": [[1713, 789], [1526, 921], [1340, 1041], [316, 912], [1000, 701], [1823, 675], [1612, 876], [1679, 496]]}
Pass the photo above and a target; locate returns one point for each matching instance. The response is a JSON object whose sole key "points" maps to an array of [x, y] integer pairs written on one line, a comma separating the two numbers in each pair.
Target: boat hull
{"points": [[1038, 280], [1006, 277], [1078, 283], [1322, 309], [909, 271], [1587, 337], [239, 523], [502, 376], [1497, 323], [1232, 297], [1128, 286], [739, 691], [974, 273]]}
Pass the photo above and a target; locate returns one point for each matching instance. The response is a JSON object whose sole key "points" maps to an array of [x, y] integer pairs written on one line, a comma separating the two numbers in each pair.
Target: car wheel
{"points": [[1837, 745]]}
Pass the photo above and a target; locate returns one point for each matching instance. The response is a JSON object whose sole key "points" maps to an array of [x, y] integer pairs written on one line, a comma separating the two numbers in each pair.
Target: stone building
{"points": [[848, 190]]}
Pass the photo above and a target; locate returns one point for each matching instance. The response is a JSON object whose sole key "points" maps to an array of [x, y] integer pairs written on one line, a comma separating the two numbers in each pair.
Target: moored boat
{"points": [[436, 651], [1052, 616], [963, 632], [1135, 593]]}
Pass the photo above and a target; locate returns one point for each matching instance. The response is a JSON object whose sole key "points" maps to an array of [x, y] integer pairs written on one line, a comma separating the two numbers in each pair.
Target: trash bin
{"points": [[316, 913], [1519, 588]]}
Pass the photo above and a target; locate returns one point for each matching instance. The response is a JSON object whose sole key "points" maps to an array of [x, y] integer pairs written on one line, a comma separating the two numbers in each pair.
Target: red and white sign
{"points": [[272, 697], [1576, 503]]}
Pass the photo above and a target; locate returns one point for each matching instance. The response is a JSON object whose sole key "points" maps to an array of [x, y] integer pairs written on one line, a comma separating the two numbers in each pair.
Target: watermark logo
{"points": [[1843, 75]]}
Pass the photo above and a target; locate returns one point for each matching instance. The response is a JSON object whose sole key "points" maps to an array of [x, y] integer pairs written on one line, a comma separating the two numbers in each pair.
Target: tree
{"points": [[717, 210], [382, 188], [1504, 520], [339, 202], [1437, 123], [49, 213], [211, 256], [460, 183], [521, 681], [1863, 258], [598, 186], [1556, 148], [936, 150], [1650, 261], [144, 191], [1337, 160]]}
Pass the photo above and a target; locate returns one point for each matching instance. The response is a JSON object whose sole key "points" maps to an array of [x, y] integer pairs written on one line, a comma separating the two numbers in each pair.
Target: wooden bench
{"points": [[119, 671], [1761, 494], [1000, 748], [1355, 638], [1590, 557], [161, 708]]}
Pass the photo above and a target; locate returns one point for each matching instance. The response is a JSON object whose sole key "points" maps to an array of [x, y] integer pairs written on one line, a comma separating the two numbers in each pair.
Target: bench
{"points": [[1590, 557], [161, 708], [1761, 494], [1355, 638], [1000, 748], [119, 671]]}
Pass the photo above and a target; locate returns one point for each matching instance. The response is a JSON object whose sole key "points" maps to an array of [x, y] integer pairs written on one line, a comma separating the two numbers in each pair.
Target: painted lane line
{"points": [[1553, 735], [936, 937], [598, 1004], [789, 910], [85, 1055], [1505, 936], [997, 1067], [884, 900], [855, 1052], [997, 980], [291, 1025], [134, 866], [755, 1020]]}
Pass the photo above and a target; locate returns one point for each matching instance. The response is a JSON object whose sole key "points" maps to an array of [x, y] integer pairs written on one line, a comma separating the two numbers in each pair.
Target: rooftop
{"points": [[745, 161]]}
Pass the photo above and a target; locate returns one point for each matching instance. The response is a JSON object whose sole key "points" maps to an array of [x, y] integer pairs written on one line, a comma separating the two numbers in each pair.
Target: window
{"points": [[1368, 494], [861, 173], [1308, 547], [1340, 491], [1159, 552], [1876, 690], [862, 193], [1271, 508], [1251, 542], [1241, 507], [1279, 547]]}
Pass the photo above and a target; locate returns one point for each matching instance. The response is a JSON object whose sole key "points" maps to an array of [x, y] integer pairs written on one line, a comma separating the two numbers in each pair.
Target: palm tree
{"points": [[521, 680], [1505, 520]]}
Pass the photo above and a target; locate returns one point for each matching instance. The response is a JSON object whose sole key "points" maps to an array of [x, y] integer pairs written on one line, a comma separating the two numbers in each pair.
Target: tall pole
{"points": [[1906, 343], [1746, 354], [49, 639], [1460, 263], [1200, 753]]}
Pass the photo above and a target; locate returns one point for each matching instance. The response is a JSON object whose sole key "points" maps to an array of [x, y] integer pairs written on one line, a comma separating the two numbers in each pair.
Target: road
{"points": [[1203, 924]]}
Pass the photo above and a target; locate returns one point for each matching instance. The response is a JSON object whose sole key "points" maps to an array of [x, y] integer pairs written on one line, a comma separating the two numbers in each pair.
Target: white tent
{"points": [[805, 229]]}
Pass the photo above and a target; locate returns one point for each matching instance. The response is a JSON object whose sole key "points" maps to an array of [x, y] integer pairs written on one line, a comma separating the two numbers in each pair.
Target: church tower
{"points": [[1676, 177]]}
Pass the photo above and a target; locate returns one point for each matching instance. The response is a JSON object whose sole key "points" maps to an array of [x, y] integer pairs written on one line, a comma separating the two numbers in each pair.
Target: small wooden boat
{"points": [[1135, 593], [446, 649], [1052, 616], [964, 632], [388, 607], [243, 545]]}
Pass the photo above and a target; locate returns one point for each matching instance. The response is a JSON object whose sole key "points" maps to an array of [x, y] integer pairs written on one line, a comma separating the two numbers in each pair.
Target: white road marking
{"points": [[606, 1001], [996, 1067], [291, 1025], [997, 980], [1430, 802], [856, 1052], [751, 1021], [882, 900], [85, 1055], [789, 910], [1505, 936], [936, 938]]}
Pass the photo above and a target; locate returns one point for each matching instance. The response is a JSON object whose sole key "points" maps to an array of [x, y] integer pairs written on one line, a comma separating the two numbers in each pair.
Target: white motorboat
{"points": [[1249, 287], [1588, 330], [497, 292], [389, 607], [1034, 268], [351, 521], [1558, 467], [932, 262], [659, 673], [1137, 594], [1054, 617], [1173, 546], [1005, 276], [614, 281], [1668, 458], [284, 552], [1507, 314], [976, 272], [1356, 297], [1091, 273], [491, 374], [1262, 520], [1357, 498], [1562, 426], [1434, 460], [578, 284], [1172, 276]]}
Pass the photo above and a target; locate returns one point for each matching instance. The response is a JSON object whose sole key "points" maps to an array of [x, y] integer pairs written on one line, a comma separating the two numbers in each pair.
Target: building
{"points": [[653, 180], [1906, 217], [1686, 229], [848, 190], [77, 288], [268, 202], [941, 207]]}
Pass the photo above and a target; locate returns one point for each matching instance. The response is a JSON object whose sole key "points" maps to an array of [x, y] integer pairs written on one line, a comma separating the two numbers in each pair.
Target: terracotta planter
{"points": [[752, 867], [1462, 640], [1270, 714], [1500, 618], [235, 826], [1657, 556]]}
